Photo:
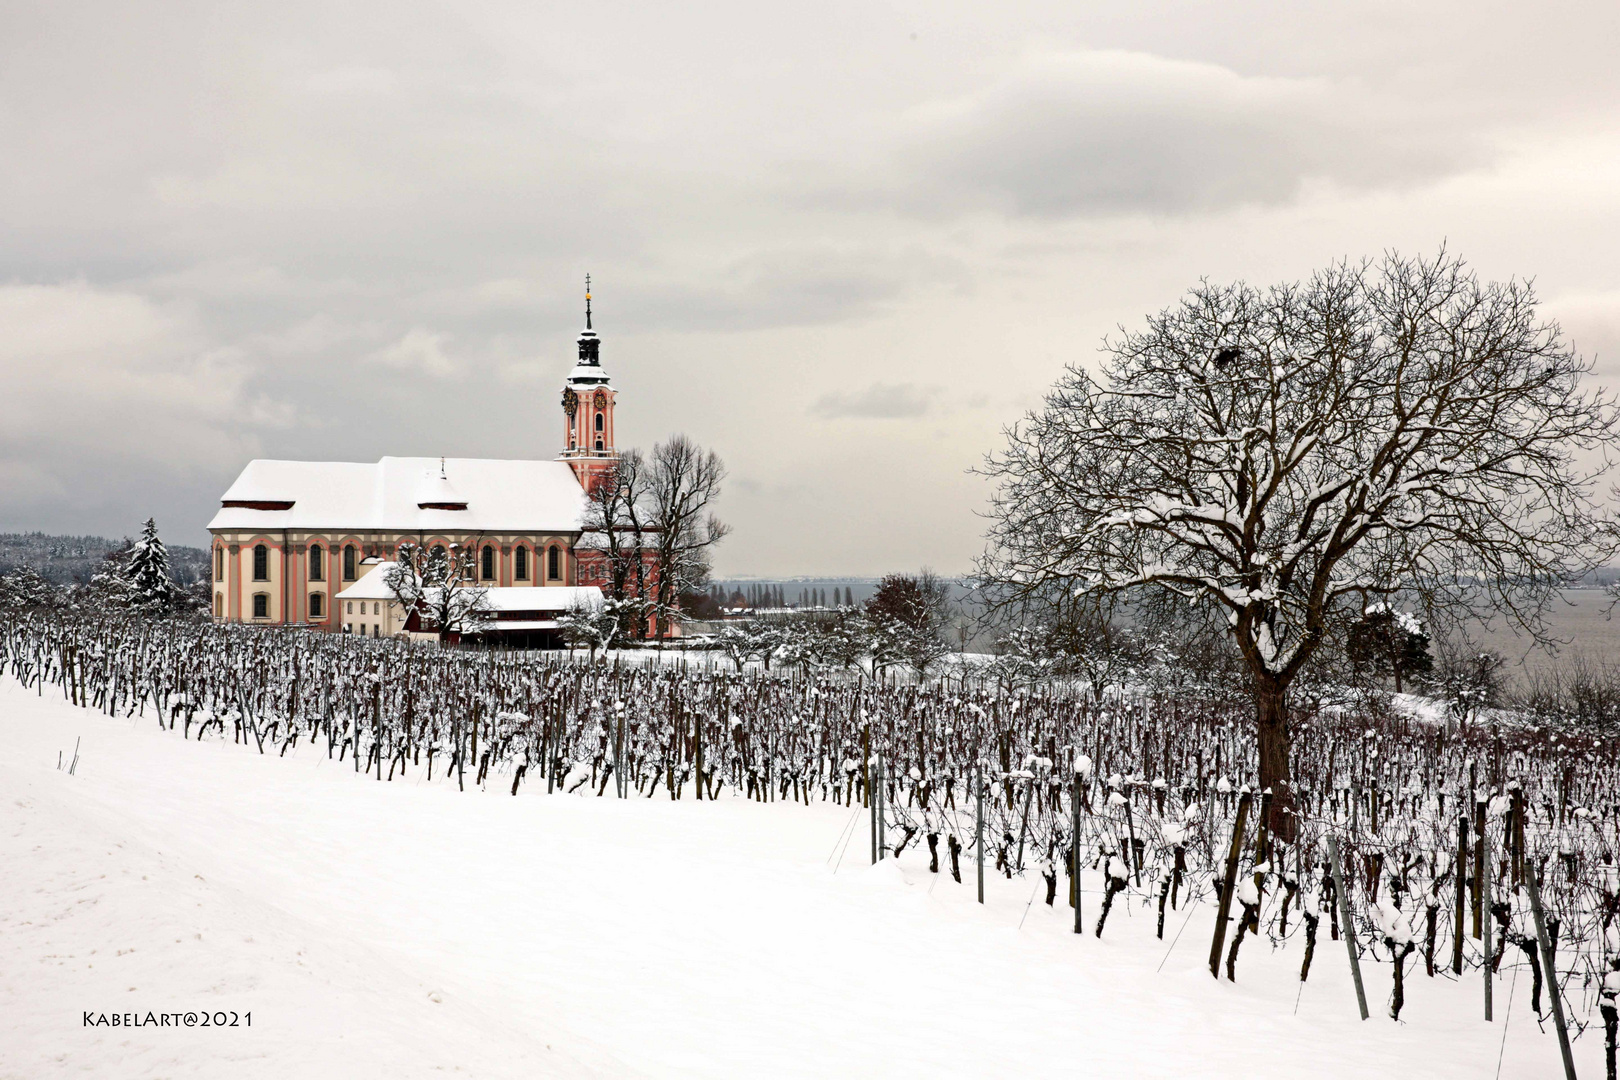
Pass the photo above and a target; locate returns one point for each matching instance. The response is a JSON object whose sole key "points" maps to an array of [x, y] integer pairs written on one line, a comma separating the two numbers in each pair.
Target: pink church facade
{"points": [[291, 535]]}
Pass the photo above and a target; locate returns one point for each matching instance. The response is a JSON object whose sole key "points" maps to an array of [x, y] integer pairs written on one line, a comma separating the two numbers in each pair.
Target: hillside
{"points": [[66, 559], [406, 929]]}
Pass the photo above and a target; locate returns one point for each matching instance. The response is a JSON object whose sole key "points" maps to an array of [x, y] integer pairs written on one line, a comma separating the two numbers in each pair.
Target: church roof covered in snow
{"points": [[405, 495]]}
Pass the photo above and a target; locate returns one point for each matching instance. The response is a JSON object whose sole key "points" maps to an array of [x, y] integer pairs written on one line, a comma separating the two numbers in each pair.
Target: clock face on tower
{"points": [[601, 400], [570, 401]]}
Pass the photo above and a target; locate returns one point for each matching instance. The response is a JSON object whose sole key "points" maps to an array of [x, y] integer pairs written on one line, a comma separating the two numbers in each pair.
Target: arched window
{"points": [[219, 564], [348, 562], [599, 442], [261, 605], [520, 564], [317, 563], [261, 563], [317, 605], [217, 604], [489, 563], [376, 608], [554, 562], [598, 421]]}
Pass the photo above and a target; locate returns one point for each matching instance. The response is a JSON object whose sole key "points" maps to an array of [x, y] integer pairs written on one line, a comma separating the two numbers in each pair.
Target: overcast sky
{"points": [[842, 244]]}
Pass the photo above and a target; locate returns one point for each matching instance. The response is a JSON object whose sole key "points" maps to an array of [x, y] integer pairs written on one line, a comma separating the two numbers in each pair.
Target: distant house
{"points": [[294, 539]]}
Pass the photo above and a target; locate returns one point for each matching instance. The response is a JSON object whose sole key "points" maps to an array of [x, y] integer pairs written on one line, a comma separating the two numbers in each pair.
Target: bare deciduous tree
{"points": [[594, 625], [437, 583], [684, 482], [1283, 455], [618, 521]]}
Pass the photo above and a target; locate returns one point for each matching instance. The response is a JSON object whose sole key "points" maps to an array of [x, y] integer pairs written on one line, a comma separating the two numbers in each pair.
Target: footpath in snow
{"points": [[404, 929]]}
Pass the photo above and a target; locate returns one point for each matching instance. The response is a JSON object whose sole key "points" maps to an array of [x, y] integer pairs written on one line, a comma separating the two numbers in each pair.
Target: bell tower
{"points": [[587, 403]]}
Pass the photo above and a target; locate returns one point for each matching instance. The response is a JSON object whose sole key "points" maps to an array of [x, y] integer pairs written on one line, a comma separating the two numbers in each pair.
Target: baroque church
{"points": [[298, 543]]}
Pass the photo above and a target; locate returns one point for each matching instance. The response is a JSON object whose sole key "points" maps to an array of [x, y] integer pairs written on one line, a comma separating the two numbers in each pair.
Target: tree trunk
{"points": [[1274, 743]]}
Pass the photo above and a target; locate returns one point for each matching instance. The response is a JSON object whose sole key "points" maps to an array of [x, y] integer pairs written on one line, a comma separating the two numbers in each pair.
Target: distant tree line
{"points": [[903, 625], [136, 577], [757, 595], [67, 560]]}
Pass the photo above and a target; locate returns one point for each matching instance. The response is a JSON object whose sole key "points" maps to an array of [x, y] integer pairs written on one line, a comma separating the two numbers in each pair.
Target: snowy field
{"points": [[402, 930]]}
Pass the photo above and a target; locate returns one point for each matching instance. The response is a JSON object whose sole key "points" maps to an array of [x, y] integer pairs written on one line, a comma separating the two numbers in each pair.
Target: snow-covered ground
{"points": [[405, 929]]}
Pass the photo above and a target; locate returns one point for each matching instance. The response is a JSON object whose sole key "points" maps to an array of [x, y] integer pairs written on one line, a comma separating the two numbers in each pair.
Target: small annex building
{"points": [[522, 617], [292, 538]]}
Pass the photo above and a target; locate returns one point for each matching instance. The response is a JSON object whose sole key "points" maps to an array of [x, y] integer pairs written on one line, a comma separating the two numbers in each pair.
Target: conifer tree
{"points": [[148, 572], [24, 590]]}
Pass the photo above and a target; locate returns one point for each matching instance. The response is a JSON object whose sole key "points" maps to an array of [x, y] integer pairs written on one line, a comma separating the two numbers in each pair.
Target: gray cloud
{"points": [[1109, 132], [419, 350], [322, 231], [880, 401], [104, 392]]}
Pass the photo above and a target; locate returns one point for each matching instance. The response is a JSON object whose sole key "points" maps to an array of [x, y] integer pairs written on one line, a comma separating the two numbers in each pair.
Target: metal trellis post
{"points": [[1349, 925], [1532, 878]]}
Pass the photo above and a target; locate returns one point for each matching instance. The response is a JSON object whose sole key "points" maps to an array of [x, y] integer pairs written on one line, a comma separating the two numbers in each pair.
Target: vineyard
{"points": [[1461, 852]]}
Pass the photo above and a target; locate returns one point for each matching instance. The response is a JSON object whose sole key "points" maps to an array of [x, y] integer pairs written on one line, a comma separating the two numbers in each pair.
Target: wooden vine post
{"points": [[1349, 926], [978, 824], [1481, 873], [1462, 874], [1023, 829], [1482, 888], [879, 824], [1229, 883], [872, 804], [1554, 991], [1074, 853]]}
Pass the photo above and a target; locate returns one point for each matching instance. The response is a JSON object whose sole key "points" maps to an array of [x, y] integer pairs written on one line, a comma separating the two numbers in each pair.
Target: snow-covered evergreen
{"points": [[150, 581], [23, 590]]}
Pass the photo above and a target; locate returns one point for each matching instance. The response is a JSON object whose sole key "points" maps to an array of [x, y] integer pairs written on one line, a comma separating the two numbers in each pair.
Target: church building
{"points": [[290, 536]]}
